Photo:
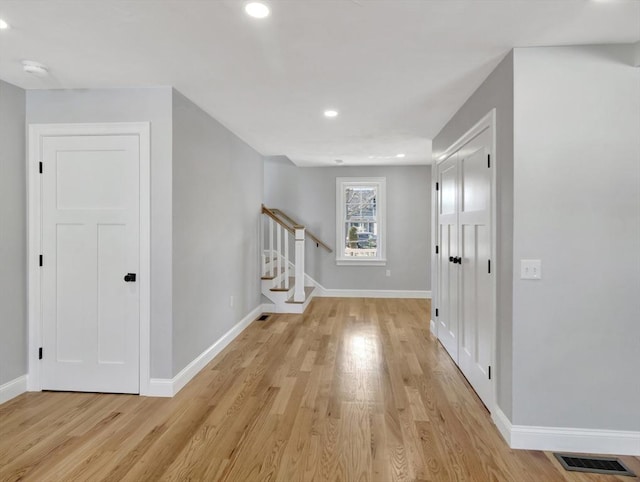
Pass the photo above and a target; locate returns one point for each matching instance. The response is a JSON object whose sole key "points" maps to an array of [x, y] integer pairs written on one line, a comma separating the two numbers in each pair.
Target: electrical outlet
{"points": [[388, 272], [530, 269], [230, 301]]}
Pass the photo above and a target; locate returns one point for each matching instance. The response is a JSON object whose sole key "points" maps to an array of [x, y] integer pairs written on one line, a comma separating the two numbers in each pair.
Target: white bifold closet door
{"points": [[448, 329], [465, 321]]}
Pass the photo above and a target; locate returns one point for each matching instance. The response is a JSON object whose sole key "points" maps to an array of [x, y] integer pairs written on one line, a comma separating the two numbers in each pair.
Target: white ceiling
{"points": [[396, 70]]}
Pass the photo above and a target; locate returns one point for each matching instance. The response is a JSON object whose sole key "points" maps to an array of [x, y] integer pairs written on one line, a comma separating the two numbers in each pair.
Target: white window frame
{"points": [[381, 203]]}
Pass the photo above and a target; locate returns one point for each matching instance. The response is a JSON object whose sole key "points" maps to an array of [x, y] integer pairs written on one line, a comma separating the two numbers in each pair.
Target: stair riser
{"points": [[279, 299]]}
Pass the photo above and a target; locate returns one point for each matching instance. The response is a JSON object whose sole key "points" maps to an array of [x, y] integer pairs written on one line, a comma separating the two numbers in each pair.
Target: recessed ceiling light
{"points": [[3, 25], [35, 68], [331, 113], [256, 10], [399, 156]]}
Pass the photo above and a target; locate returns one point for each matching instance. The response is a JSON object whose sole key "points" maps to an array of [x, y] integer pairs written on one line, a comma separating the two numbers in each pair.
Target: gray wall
{"points": [[577, 207], [495, 92], [217, 194], [308, 194], [131, 105], [13, 234]]}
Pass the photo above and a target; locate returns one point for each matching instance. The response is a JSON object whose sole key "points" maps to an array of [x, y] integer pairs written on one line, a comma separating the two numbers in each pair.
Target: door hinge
{"points": [[489, 372], [41, 260], [437, 186], [437, 250], [40, 353], [489, 266], [436, 311], [489, 160], [40, 167]]}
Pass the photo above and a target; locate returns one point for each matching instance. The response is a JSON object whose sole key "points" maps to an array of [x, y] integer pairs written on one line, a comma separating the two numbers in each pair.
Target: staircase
{"points": [[283, 276]]}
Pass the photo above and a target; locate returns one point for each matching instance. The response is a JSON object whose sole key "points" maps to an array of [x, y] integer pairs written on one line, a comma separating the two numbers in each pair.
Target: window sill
{"points": [[361, 262]]}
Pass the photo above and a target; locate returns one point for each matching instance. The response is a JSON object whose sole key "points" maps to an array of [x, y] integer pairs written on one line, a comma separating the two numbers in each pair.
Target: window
{"points": [[360, 218]]}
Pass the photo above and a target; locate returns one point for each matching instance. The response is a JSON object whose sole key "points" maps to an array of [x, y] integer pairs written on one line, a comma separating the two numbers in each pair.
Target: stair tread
{"points": [[292, 281], [307, 291]]}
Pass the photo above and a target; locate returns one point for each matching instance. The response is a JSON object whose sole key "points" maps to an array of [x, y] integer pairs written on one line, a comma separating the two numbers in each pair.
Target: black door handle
{"points": [[130, 277], [458, 260], [452, 259]]}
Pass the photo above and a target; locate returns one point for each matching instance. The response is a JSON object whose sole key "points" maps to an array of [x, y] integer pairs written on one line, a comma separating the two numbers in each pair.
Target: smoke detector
{"points": [[35, 68]]}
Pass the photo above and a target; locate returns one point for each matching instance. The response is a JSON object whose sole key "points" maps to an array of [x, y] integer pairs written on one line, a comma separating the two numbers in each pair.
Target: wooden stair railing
{"points": [[291, 222], [275, 266]]}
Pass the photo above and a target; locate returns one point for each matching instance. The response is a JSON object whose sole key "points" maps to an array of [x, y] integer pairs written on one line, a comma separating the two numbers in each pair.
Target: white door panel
{"points": [[90, 241], [112, 316]]}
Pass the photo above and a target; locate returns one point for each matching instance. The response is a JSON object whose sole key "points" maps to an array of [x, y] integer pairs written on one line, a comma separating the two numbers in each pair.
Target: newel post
{"points": [[298, 293]]}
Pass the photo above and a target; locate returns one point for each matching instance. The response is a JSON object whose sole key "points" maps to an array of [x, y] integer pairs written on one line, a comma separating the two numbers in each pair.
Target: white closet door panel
{"points": [[476, 334], [449, 278]]}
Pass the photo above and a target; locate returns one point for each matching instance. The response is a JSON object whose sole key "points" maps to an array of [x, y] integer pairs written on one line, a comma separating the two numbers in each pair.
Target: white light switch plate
{"points": [[530, 269]]}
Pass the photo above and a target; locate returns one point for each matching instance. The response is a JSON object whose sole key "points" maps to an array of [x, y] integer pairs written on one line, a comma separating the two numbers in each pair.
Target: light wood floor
{"points": [[354, 390]]}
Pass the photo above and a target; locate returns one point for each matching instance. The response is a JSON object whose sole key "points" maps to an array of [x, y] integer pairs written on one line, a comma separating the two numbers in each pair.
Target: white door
{"points": [[465, 286], [476, 307], [90, 242], [448, 327]]}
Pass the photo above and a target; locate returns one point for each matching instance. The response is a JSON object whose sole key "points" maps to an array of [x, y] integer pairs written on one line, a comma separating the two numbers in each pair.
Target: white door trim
{"points": [[34, 226], [488, 121]]}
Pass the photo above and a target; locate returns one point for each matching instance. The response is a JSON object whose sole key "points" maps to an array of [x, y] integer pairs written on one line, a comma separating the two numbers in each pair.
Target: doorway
{"points": [[88, 192]]}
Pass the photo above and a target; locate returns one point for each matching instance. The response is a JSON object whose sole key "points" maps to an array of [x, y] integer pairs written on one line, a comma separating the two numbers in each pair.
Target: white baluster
{"points": [[298, 293], [286, 259], [279, 249], [273, 265]]}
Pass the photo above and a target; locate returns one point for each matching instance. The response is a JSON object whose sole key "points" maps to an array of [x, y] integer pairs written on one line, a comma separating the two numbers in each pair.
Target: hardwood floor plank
{"points": [[355, 389], [292, 466]]}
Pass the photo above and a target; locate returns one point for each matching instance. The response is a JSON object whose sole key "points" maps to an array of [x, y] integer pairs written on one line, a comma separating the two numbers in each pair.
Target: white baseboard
{"points": [[502, 422], [563, 439], [168, 387], [160, 387], [375, 294], [321, 291], [13, 388]]}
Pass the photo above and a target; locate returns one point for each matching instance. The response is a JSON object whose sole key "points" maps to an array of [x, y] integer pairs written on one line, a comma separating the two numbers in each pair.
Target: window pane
{"points": [[362, 239], [361, 204]]}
